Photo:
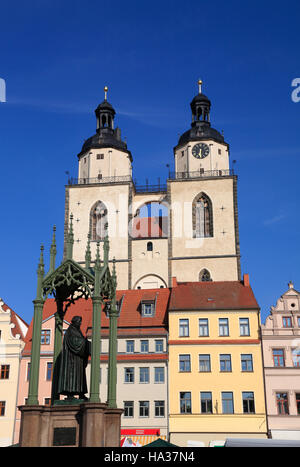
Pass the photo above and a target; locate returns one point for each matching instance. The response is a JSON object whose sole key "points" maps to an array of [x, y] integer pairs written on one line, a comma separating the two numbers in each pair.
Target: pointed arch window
{"points": [[98, 221], [205, 276], [202, 217]]}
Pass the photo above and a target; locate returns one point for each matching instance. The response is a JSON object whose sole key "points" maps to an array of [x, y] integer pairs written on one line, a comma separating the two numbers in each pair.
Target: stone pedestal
{"points": [[78, 425]]}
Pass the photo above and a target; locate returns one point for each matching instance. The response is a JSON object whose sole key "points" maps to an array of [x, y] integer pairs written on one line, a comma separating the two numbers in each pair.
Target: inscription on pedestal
{"points": [[65, 436]]}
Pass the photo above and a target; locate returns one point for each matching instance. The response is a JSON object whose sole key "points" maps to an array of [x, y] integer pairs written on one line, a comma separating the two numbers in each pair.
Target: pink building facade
{"points": [[281, 353]]}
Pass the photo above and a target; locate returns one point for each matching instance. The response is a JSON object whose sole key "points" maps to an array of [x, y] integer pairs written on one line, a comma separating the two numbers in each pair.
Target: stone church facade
{"points": [[194, 237]]}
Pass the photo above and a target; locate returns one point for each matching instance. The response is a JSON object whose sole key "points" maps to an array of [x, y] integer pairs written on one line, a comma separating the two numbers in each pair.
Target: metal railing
{"points": [[159, 188], [200, 173], [96, 180]]}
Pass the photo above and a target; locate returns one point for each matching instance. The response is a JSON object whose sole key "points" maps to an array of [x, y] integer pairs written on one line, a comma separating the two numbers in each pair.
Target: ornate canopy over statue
{"points": [[67, 283]]}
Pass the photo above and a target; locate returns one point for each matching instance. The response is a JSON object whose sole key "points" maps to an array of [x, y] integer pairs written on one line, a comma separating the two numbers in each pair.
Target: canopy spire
{"points": [[88, 256], [70, 239], [53, 250]]}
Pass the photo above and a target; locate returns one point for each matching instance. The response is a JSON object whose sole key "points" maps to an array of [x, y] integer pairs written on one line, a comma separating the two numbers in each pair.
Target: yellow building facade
{"points": [[216, 386]]}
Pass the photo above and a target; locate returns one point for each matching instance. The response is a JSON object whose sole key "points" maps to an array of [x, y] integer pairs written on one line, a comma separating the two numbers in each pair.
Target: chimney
{"points": [[174, 282], [246, 280]]}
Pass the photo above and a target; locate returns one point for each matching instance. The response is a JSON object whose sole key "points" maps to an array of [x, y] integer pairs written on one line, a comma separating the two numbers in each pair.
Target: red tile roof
{"points": [[130, 320], [149, 227], [212, 296]]}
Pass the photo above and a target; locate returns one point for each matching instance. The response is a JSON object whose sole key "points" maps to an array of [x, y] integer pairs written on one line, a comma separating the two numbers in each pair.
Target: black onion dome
{"points": [[105, 106], [106, 136], [200, 133], [200, 127], [105, 140], [200, 98]]}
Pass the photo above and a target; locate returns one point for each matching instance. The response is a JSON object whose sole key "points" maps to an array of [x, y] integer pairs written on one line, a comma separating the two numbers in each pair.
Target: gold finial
{"points": [[105, 92], [200, 85]]}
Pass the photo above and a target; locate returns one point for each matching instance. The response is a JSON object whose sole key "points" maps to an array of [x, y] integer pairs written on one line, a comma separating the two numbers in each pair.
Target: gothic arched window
{"points": [[202, 217], [205, 276], [98, 221]]}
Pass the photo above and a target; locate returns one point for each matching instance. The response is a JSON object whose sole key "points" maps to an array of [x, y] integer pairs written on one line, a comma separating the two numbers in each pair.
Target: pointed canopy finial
{"points": [[105, 92], [70, 239], [41, 268], [53, 251], [97, 260], [88, 256], [105, 250], [200, 82]]}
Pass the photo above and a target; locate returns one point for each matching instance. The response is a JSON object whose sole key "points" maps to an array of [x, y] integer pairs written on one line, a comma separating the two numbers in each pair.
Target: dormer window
{"points": [[148, 308]]}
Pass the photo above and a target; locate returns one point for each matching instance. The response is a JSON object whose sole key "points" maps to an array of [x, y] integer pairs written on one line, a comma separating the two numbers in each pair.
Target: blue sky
{"points": [[56, 57]]}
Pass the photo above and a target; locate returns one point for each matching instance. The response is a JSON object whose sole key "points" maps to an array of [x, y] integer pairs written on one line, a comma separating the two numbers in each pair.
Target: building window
{"points": [[130, 346], [203, 327], [246, 362], [49, 371], [159, 408], [159, 345], [144, 408], [148, 309], [298, 321], [286, 321], [2, 408], [206, 402], [223, 327], [202, 216], [4, 371], [98, 221], [248, 402], [28, 372], [129, 375], [149, 246], [298, 402], [282, 403], [144, 375], [45, 336], [204, 276], [184, 328], [278, 357], [100, 156], [144, 346], [159, 374], [296, 357], [184, 363], [227, 402], [244, 327], [128, 409], [185, 402], [225, 362], [204, 363]]}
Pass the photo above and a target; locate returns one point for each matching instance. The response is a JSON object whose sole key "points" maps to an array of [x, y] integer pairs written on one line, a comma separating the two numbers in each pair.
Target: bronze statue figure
{"points": [[74, 359]]}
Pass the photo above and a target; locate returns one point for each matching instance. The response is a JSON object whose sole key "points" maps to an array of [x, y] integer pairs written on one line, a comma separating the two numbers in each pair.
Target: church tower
{"points": [[100, 197], [195, 239], [202, 192]]}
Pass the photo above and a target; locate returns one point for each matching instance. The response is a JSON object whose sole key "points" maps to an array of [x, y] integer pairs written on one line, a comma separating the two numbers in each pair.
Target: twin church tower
{"points": [[193, 235]]}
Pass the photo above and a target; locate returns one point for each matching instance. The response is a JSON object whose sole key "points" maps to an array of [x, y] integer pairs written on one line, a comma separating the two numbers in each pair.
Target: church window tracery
{"points": [[205, 276], [98, 221], [202, 217]]}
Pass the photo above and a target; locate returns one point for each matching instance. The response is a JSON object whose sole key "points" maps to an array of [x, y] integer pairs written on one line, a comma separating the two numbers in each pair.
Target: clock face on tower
{"points": [[200, 150]]}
